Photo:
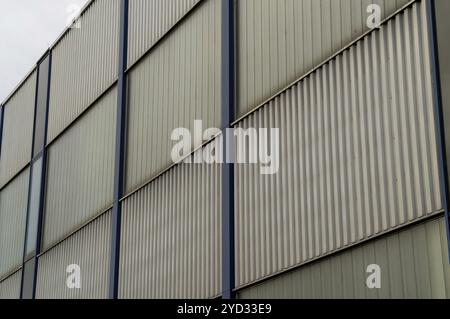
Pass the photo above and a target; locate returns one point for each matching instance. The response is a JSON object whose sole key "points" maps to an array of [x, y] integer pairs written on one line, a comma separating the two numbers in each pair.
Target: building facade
{"points": [[88, 186]]}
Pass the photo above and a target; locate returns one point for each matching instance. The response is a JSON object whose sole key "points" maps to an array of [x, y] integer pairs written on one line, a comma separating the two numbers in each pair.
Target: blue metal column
{"points": [[120, 152], [439, 112], [38, 152], [228, 116], [1, 127]]}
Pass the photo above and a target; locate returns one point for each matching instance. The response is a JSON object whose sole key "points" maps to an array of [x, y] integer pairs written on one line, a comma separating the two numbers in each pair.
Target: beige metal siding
{"points": [[149, 20], [357, 154], [414, 265], [13, 212], [281, 40], [90, 250], [10, 287], [84, 64], [80, 173], [171, 236], [18, 130], [176, 84]]}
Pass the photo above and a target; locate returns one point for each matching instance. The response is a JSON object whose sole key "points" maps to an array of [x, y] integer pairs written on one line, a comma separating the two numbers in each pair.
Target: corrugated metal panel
{"points": [[80, 173], [10, 287], [171, 236], [178, 83], [279, 41], [17, 143], [414, 265], [84, 64], [90, 250], [357, 153], [149, 20], [13, 213]]}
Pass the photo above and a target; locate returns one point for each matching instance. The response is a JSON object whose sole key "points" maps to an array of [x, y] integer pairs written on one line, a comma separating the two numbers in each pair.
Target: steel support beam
{"points": [[30, 261], [120, 152], [2, 113], [439, 112], [228, 116]]}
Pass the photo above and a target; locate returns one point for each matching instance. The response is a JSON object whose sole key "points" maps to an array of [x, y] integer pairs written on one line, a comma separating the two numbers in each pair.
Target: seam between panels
{"points": [[16, 175], [10, 274], [76, 231]]}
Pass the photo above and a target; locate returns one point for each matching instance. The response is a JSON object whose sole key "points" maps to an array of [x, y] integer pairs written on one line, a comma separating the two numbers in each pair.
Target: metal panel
{"points": [[18, 130], [176, 84], [279, 41], [171, 236], [10, 287], [413, 265], [150, 20], [80, 171], [13, 214], [84, 64], [357, 154], [90, 249], [28, 279]]}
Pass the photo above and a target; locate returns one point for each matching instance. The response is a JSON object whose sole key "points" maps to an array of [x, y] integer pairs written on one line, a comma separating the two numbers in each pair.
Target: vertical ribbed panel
{"points": [[149, 20], [171, 236], [279, 41], [18, 130], [90, 249], [80, 173], [357, 153], [84, 64], [10, 287], [13, 212], [176, 84], [414, 265]]}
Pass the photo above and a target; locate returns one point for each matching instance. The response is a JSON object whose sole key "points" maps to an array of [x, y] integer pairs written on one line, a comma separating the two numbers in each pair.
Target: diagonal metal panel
{"points": [[279, 41], [150, 20], [413, 265], [13, 213], [80, 173], [171, 236], [84, 64], [89, 248], [18, 119], [176, 84], [357, 154], [10, 287]]}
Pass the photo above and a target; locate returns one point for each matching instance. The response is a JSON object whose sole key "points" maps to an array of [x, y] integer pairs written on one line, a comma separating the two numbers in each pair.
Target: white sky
{"points": [[27, 29]]}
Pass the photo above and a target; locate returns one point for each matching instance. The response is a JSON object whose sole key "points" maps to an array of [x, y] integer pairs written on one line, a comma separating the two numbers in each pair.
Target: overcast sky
{"points": [[27, 29]]}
